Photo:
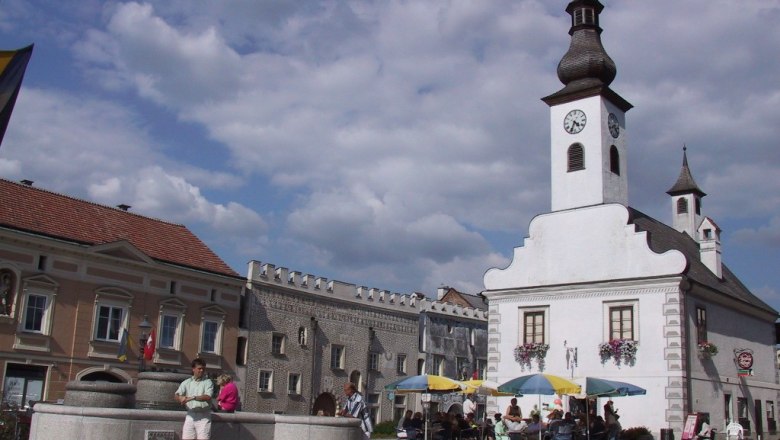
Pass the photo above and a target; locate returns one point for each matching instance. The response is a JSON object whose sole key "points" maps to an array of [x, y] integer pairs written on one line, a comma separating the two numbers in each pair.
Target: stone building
{"points": [[600, 289], [308, 335], [75, 275]]}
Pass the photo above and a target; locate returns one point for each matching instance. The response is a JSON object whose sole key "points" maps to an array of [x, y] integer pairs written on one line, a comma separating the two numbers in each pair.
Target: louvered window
{"points": [[576, 155], [584, 16], [682, 206]]}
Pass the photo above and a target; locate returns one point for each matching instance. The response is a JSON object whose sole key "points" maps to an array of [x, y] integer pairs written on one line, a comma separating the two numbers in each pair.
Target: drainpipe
{"points": [[312, 392]]}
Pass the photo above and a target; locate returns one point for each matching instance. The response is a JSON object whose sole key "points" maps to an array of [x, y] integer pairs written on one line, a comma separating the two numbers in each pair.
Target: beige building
{"points": [[75, 276]]}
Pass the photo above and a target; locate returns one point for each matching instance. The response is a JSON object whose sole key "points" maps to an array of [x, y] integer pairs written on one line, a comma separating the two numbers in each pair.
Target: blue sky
{"points": [[393, 144]]}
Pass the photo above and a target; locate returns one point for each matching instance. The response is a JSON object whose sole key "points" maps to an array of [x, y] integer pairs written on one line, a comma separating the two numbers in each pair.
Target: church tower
{"points": [[587, 129], [686, 201]]}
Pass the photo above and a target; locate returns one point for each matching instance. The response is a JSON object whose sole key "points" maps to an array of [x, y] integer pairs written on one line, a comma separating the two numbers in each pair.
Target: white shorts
{"points": [[197, 426]]}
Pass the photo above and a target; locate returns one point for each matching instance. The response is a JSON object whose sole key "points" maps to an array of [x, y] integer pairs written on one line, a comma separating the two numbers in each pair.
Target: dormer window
{"points": [[707, 233], [584, 16]]}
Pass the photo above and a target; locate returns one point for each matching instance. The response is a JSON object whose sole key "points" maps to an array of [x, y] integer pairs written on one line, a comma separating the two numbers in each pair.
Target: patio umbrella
{"points": [[539, 383], [425, 383], [596, 387], [483, 388], [610, 388], [546, 384]]}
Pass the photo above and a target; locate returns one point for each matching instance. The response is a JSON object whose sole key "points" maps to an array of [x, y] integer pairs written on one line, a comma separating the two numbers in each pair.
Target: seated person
{"points": [[598, 429], [563, 429], [535, 426], [500, 428]]}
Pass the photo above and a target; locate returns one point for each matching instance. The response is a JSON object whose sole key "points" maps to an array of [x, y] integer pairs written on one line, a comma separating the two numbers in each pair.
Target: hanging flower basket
{"points": [[707, 349], [621, 351], [525, 353]]}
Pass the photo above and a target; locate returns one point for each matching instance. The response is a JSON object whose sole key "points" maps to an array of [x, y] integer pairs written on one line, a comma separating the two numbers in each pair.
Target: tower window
{"points": [[584, 16], [576, 155], [698, 206], [682, 206], [614, 160]]}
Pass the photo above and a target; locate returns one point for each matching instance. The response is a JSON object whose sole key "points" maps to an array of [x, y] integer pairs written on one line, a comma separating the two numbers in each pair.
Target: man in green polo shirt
{"points": [[195, 393]]}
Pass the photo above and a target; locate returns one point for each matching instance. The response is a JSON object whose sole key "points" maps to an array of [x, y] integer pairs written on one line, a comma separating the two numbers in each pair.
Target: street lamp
{"points": [[145, 326]]}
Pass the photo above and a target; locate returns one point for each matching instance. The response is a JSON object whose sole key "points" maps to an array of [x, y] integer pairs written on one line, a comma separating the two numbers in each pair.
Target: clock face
{"points": [[745, 360], [614, 126], [574, 121]]}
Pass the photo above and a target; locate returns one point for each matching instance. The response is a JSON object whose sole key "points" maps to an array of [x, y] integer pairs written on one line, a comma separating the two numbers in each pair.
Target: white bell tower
{"points": [[587, 120]]}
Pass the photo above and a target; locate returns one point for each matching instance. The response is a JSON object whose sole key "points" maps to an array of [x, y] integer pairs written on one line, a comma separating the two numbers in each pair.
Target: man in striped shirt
{"points": [[356, 408]]}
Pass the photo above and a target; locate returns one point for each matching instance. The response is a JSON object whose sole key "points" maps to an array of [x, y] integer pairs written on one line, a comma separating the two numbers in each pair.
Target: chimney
{"points": [[26, 182], [123, 207], [441, 291]]}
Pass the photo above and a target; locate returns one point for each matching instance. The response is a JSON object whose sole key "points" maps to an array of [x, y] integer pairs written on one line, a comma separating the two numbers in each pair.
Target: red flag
{"points": [[13, 63], [149, 347]]}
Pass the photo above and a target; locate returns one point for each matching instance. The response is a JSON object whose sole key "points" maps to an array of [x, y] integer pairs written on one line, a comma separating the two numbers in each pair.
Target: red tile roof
{"points": [[38, 211]]}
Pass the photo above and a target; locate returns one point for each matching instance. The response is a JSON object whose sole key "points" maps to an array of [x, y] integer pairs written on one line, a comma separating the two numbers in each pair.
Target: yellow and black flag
{"points": [[13, 63]]}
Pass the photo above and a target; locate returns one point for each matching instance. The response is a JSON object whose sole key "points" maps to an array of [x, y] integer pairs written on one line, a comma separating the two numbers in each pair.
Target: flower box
{"points": [[526, 353], [621, 351]]}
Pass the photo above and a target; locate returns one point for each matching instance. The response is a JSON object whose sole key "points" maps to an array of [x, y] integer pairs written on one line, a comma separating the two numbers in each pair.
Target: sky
{"points": [[394, 144]]}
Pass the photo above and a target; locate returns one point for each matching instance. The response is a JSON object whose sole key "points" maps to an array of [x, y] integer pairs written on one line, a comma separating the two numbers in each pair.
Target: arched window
{"points": [[682, 206], [614, 160], [576, 158], [698, 206]]}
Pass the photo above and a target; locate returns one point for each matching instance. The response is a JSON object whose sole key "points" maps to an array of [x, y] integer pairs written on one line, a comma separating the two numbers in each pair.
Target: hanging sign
{"points": [[744, 361]]}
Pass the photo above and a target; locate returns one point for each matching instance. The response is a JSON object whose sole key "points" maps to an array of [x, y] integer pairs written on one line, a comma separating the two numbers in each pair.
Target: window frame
{"points": [[682, 205], [173, 308], [625, 304], [438, 365], [111, 297], [337, 362], [44, 323], [270, 388], [297, 389], [216, 315], [524, 313], [373, 361], [701, 324], [400, 364], [614, 160], [278, 344]]}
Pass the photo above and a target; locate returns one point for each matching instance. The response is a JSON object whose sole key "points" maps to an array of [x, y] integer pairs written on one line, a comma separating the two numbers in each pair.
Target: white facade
{"points": [[595, 270]]}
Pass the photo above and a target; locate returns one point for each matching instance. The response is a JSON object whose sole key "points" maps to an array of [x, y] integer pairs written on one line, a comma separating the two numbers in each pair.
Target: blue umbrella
{"points": [[610, 388]]}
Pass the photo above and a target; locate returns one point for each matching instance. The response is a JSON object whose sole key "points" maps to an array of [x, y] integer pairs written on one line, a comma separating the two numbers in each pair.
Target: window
{"points": [[701, 324], [576, 155], [373, 361], [614, 160], [241, 351], [302, 336], [698, 206], [35, 312], [707, 233], [110, 320], [23, 383], [584, 16], [438, 365], [742, 413], [533, 326], [462, 365], [294, 383], [212, 322], [7, 291], [770, 416], [682, 206], [277, 344], [265, 381], [169, 328], [210, 334], [171, 321], [420, 366], [621, 323], [337, 357], [481, 369], [401, 364]]}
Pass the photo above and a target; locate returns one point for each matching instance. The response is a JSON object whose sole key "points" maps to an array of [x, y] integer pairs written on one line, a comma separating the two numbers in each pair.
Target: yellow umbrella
{"points": [[425, 383], [483, 388]]}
